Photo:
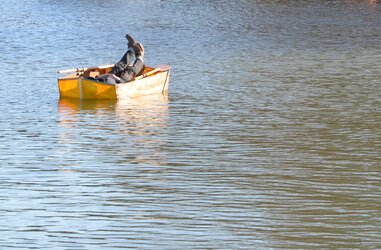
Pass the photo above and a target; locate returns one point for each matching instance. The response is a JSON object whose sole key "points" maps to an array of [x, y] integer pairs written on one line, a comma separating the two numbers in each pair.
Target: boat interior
{"points": [[94, 72]]}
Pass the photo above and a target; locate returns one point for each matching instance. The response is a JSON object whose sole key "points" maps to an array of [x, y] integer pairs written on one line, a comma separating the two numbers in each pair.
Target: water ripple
{"points": [[269, 137]]}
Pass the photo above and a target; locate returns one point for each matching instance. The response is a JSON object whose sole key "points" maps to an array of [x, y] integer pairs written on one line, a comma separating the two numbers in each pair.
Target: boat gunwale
{"points": [[122, 83], [81, 77]]}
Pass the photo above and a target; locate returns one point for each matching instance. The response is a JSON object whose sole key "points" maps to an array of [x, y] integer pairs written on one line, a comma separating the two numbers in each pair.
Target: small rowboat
{"points": [[81, 83]]}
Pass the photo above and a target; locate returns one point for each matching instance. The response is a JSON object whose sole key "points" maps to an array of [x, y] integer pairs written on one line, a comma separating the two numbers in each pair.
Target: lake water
{"points": [[270, 136]]}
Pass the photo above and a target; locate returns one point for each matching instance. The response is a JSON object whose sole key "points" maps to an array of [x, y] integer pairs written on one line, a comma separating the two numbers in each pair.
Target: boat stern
{"points": [[69, 87]]}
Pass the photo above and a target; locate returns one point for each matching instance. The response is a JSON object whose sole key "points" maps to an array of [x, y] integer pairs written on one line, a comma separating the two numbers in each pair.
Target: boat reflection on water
{"points": [[128, 131], [150, 109]]}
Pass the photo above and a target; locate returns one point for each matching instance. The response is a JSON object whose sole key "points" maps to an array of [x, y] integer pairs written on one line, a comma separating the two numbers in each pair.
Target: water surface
{"points": [[269, 137]]}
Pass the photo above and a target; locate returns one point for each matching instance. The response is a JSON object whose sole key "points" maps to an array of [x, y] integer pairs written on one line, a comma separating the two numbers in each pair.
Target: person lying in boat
{"points": [[126, 69]]}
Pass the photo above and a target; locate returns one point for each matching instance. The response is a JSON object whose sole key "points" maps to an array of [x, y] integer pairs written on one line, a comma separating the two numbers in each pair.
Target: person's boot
{"points": [[139, 51], [131, 41]]}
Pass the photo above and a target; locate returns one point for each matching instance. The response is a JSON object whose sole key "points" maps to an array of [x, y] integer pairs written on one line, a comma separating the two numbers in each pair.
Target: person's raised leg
{"points": [[138, 65], [127, 58]]}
